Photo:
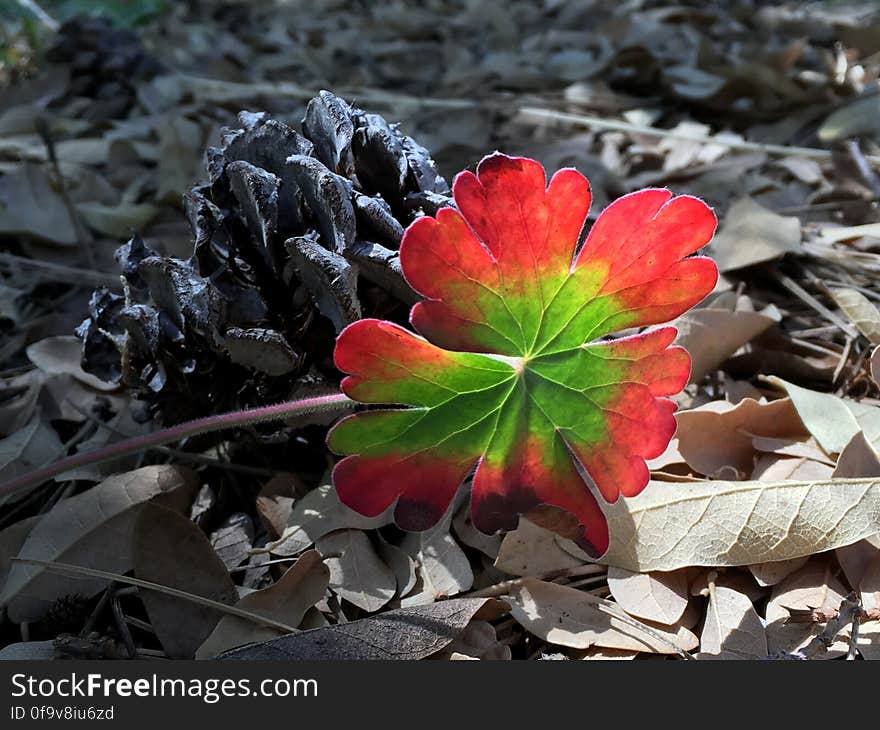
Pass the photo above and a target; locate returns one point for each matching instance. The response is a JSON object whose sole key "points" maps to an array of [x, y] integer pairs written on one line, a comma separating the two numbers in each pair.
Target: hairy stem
{"points": [[219, 422]]}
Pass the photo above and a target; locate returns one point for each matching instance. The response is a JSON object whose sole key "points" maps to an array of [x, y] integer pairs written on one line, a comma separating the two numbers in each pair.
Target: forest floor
{"points": [[769, 113]]}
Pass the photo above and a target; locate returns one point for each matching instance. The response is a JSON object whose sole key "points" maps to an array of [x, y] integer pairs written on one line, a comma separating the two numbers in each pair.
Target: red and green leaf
{"points": [[510, 376]]}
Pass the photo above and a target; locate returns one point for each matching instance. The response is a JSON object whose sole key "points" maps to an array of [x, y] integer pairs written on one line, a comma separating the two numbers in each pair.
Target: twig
{"points": [[582, 120], [504, 587], [68, 569], [60, 272], [813, 303]]}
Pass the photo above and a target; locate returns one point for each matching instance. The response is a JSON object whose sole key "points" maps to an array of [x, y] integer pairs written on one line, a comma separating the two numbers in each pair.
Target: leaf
{"points": [[286, 600], [511, 378], [658, 597], [713, 523], [404, 634], [532, 550], [33, 446], [732, 630], [171, 551], [712, 335], [720, 434], [566, 616], [769, 574], [233, 540], [813, 586], [444, 568], [317, 514], [861, 312], [29, 206], [93, 528], [751, 234], [61, 356], [356, 572], [828, 418]]}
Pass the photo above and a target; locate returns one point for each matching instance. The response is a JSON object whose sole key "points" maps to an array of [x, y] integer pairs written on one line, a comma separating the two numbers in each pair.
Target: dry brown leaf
{"points": [[813, 586], [670, 526], [317, 514], [827, 417], [402, 634], [275, 503], [171, 551], [532, 550], [444, 569], [750, 234], [855, 559], [658, 597], [858, 459], [771, 469], [61, 356], [719, 434], [861, 312], [356, 572], [712, 335], [286, 600], [769, 574], [733, 629], [566, 616], [93, 529], [477, 641]]}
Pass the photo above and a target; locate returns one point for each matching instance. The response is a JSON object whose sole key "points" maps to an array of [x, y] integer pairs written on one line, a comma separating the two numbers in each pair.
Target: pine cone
{"points": [[295, 236]]}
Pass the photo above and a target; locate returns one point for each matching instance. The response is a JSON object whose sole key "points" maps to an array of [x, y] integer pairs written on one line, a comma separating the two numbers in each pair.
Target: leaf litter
{"points": [[242, 273]]}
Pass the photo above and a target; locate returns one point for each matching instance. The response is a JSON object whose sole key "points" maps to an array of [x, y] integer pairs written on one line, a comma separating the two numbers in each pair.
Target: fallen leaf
{"points": [[712, 335], [733, 629], [317, 514], [357, 573], [769, 574], [714, 523], [532, 550], [566, 616], [444, 568], [31, 447], [478, 641], [233, 540], [170, 550], [402, 634], [93, 529], [30, 206], [62, 356], [858, 459], [719, 434], [861, 312], [275, 503], [813, 586], [750, 234], [658, 597], [286, 600]]}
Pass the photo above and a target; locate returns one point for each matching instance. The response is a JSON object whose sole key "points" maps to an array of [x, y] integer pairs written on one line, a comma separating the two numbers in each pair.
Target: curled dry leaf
{"points": [[828, 418], [61, 356], [443, 567], [750, 234], [357, 573], [566, 616], [171, 551], [402, 634], [477, 641], [712, 335], [861, 312], [813, 586], [658, 597], [532, 550], [858, 459], [719, 434], [317, 514], [286, 600], [93, 529], [769, 574], [738, 523], [733, 629]]}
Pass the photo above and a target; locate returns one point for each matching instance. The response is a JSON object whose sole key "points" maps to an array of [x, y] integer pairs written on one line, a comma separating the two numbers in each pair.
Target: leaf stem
{"points": [[218, 422]]}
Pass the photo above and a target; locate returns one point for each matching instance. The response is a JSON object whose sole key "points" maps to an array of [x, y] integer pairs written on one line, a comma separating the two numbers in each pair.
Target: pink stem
{"points": [[219, 422]]}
